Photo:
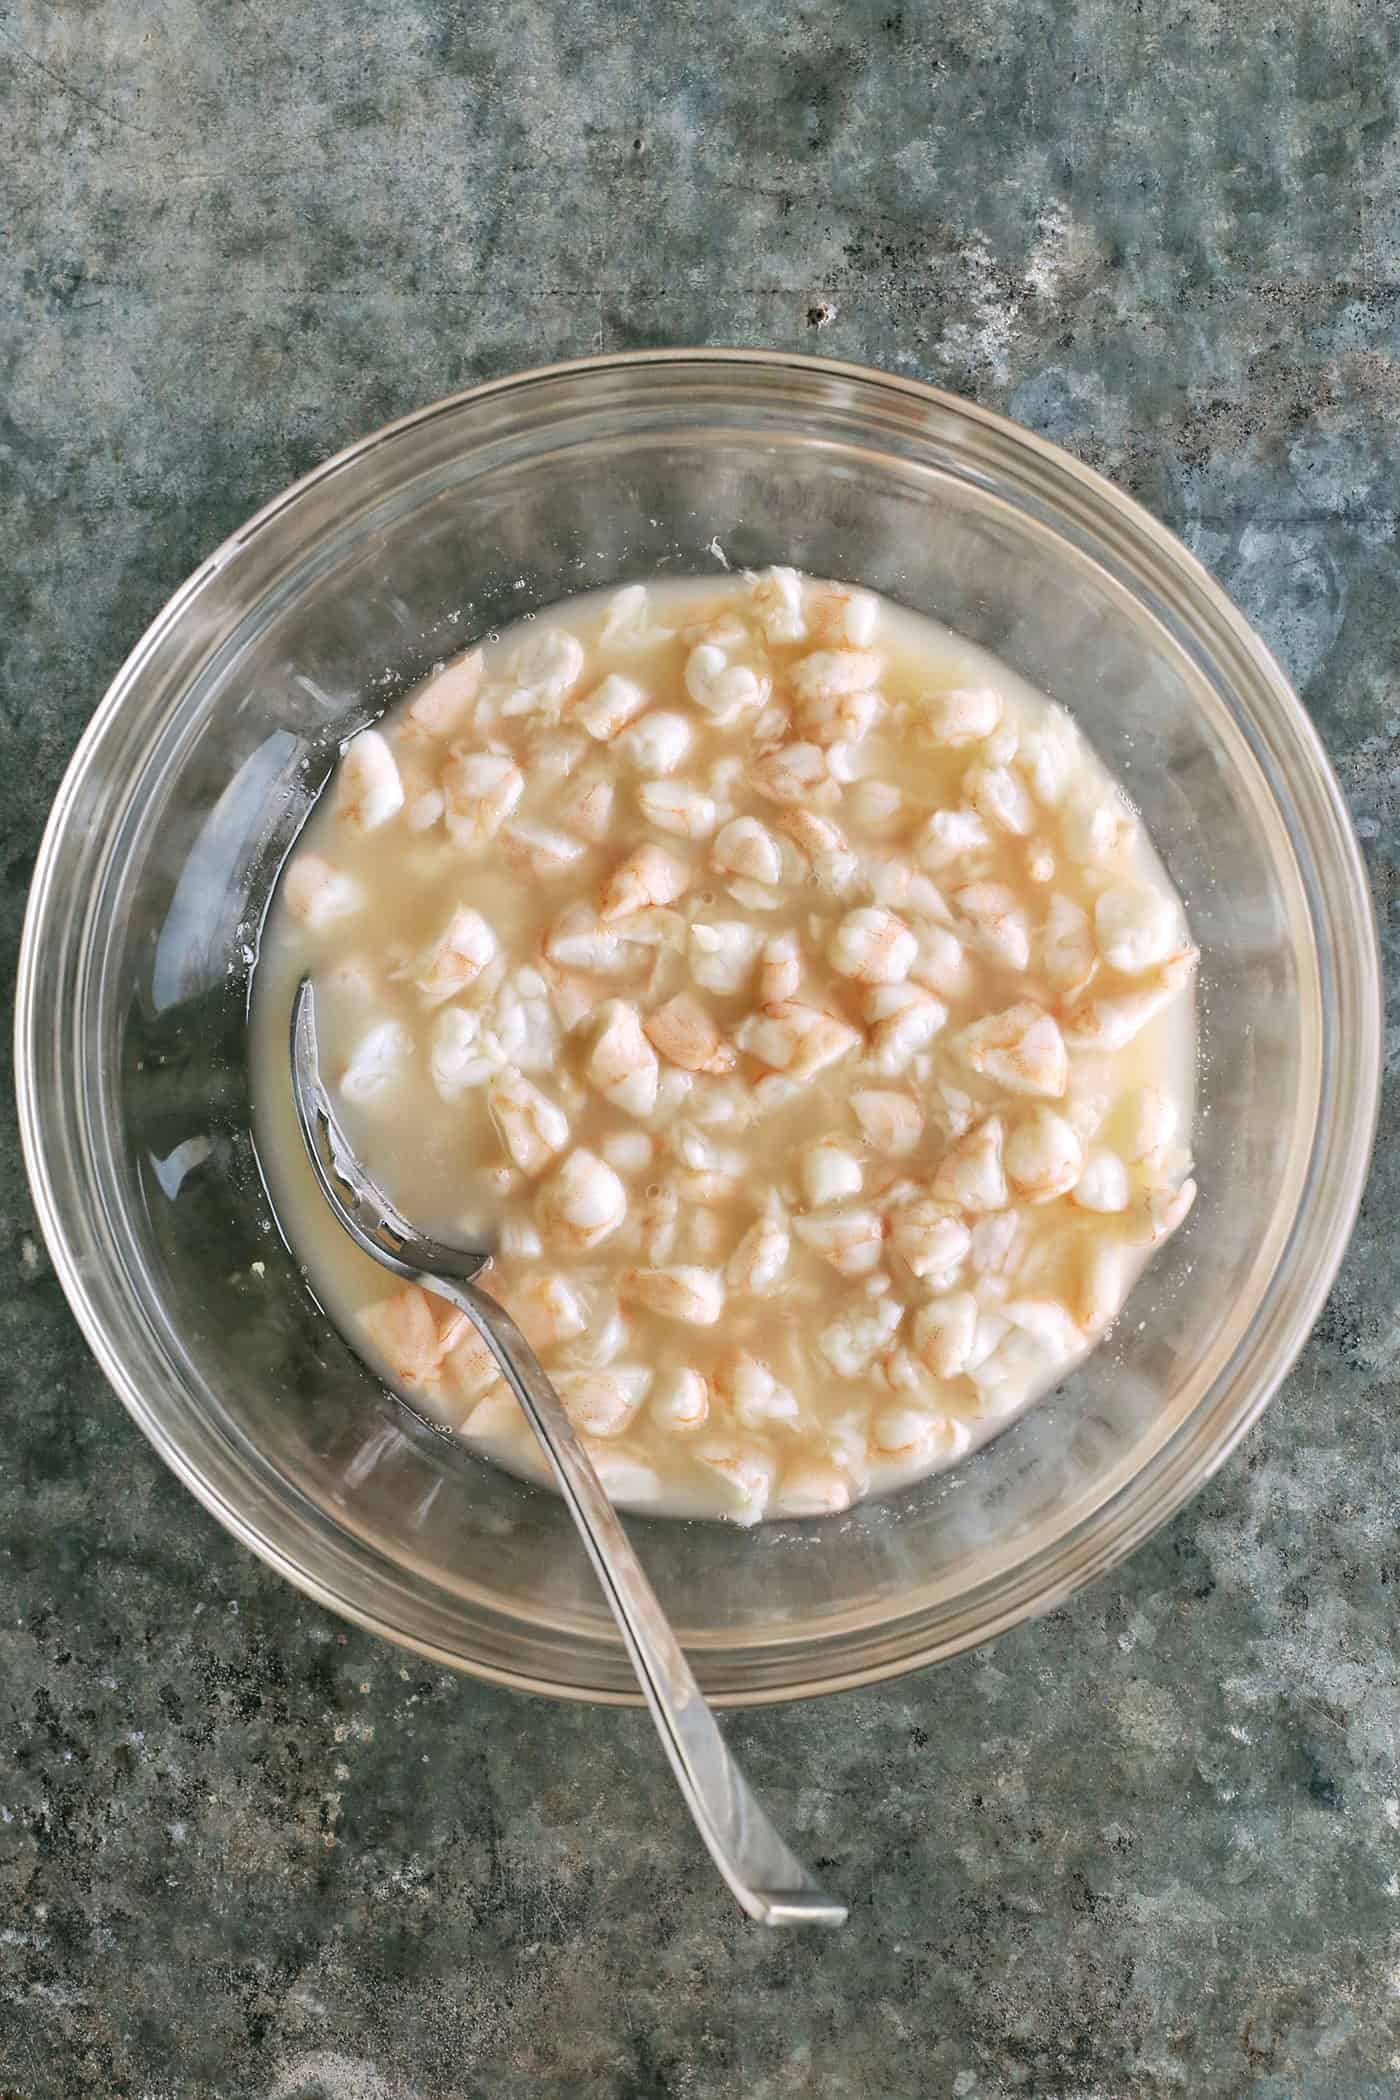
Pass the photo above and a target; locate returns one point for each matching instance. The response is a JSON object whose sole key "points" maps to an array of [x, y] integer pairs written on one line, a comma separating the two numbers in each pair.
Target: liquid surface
{"points": [[787, 990]]}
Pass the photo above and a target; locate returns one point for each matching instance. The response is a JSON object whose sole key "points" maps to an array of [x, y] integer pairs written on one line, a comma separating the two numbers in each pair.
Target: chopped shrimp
{"points": [[941, 964], [457, 1058], [610, 707], [1067, 947], [1000, 799], [893, 883], [944, 1333], [861, 1331], [480, 791], [904, 1019], [1164, 1210], [1098, 1283], [628, 625], [748, 1469], [1098, 825], [657, 743], [1149, 1126], [547, 1310], [961, 717], [834, 674], [579, 941], [681, 1291], [930, 1236], [793, 773], [622, 1064], [541, 850], [1103, 1183], [676, 807], [971, 1175], [545, 668], [649, 875], [1109, 1021], [369, 788], [796, 1039], [780, 972], [585, 1202], [317, 895], [777, 600], [1021, 1049], [1044, 1157], [841, 618], [469, 1370], [912, 1435], [683, 1032], [813, 1489], [751, 1391], [952, 838], [602, 1403], [589, 810], [830, 1173], [722, 955], [997, 921], [853, 1241], [457, 957], [1137, 928], [723, 690], [747, 848], [873, 946], [533, 1129], [890, 1121], [879, 806], [832, 715], [443, 704], [403, 1332], [761, 1257], [681, 1402]]}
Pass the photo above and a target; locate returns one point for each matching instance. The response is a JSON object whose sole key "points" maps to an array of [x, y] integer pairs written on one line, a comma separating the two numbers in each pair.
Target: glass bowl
{"points": [[222, 726]]}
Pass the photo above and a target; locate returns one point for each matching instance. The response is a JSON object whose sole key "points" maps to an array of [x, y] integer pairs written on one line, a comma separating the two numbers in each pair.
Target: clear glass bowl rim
{"points": [[1340, 904]]}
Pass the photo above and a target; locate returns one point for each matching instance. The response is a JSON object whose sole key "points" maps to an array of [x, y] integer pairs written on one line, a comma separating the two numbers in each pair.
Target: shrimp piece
{"points": [[839, 718], [829, 1173], [546, 667], [749, 1388], [681, 1291], [941, 964], [722, 955], [1000, 799], [585, 1203], [622, 1064], [402, 1331], [547, 1310], [1137, 928], [1047, 1322], [761, 1257], [1044, 1157], [961, 717], [1021, 1049], [1098, 1283], [443, 703], [951, 839], [776, 597], [832, 674], [813, 1490], [814, 836], [457, 957], [470, 1372], [657, 743], [540, 850], [795, 1039], [1150, 1121], [1111, 1020], [1040, 862], [912, 1435], [747, 848], [377, 1065], [930, 1236], [971, 1175], [602, 1403], [533, 1129], [791, 773], [648, 876], [676, 807], [683, 1032], [897, 886], [997, 922], [749, 1469], [457, 1059], [853, 1241], [480, 790], [998, 1243], [610, 707], [780, 972], [627, 625], [722, 690], [1103, 1183], [1067, 947], [1047, 756], [318, 895], [1164, 1210], [862, 1331], [682, 1402], [579, 941], [878, 806], [589, 810], [873, 947], [890, 1121], [1098, 825], [904, 1019], [841, 618], [944, 1333], [370, 789], [555, 755]]}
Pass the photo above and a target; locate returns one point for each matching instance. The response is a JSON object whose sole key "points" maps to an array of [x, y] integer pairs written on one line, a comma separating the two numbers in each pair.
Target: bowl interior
{"points": [[224, 727]]}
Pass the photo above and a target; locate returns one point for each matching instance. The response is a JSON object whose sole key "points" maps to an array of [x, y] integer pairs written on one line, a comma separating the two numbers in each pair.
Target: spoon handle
{"points": [[768, 1881]]}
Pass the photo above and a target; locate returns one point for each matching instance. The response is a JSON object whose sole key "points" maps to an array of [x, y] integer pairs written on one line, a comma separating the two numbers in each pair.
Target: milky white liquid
{"points": [[819, 1385]]}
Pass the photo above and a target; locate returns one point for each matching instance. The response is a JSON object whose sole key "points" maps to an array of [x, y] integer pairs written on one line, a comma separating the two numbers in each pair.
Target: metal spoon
{"points": [[769, 1882]]}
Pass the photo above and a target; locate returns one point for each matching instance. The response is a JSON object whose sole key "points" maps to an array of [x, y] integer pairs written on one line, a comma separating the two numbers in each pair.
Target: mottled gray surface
{"points": [[1149, 1847]]}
